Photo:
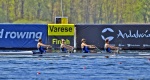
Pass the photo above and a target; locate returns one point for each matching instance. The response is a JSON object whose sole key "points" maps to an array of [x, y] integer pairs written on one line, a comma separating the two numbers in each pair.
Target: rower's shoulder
{"points": [[61, 45], [106, 45], [83, 43], [39, 43]]}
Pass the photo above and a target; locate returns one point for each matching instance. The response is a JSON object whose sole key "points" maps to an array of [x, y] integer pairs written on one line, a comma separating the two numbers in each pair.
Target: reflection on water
{"points": [[73, 68]]}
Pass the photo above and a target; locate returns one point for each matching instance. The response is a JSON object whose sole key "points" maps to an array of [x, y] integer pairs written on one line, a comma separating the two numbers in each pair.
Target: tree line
{"points": [[77, 11]]}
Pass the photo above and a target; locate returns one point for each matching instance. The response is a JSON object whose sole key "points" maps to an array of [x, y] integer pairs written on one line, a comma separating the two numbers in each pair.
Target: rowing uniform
{"points": [[85, 49], [107, 49], [63, 50], [41, 49]]}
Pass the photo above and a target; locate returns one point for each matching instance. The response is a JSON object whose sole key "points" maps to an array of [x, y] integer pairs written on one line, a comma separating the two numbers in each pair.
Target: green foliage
{"points": [[2, 17], [30, 21], [78, 11]]}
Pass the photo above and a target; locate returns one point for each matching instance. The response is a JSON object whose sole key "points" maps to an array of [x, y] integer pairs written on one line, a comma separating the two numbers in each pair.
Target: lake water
{"points": [[25, 67]]}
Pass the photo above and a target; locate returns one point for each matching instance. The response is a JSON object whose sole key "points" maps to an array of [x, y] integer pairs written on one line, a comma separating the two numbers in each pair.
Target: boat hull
{"points": [[75, 54]]}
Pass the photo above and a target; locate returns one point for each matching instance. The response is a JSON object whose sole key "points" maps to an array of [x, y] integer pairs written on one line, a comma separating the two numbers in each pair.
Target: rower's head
{"points": [[83, 40], [40, 40], [63, 40], [107, 41]]}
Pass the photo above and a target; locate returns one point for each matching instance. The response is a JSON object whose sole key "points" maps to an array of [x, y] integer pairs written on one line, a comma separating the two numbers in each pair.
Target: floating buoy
{"points": [[84, 56], [39, 59], [38, 73], [120, 62], [84, 67], [106, 56]]}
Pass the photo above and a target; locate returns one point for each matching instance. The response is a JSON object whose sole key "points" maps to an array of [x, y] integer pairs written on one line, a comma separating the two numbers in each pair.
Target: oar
{"points": [[50, 48], [70, 48], [97, 49], [118, 50]]}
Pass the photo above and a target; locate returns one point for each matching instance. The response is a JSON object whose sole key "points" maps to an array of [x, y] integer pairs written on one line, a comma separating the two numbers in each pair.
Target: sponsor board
{"points": [[22, 35], [122, 35]]}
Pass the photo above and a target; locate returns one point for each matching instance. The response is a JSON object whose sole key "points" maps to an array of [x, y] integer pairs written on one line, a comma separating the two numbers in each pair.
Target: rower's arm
{"points": [[66, 46], [86, 45], [112, 47], [41, 44], [91, 46]]}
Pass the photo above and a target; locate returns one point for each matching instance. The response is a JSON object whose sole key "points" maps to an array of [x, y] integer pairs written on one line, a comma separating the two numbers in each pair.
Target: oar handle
{"points": [[48, 47], [97, 48]]}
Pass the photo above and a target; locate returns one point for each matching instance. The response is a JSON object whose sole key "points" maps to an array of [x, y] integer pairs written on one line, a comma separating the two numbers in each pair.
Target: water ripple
{"points": [[76, 68]]}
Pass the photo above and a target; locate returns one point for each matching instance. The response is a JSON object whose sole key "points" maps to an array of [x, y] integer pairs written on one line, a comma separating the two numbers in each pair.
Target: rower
{"points": [[41, 46], [85, 47], [65, 48], [108, 47]]}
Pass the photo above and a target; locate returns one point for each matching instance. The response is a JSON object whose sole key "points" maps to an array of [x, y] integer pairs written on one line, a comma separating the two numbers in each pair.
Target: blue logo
{"points": [[109, 37]]}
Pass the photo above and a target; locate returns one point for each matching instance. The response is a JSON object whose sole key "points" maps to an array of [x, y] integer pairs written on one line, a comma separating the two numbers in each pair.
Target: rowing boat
{"points": [[17, 53], [77, 54]]}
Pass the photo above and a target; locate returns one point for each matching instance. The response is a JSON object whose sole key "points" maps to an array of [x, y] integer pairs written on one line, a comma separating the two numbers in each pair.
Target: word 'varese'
{"points": [[60, 29]]}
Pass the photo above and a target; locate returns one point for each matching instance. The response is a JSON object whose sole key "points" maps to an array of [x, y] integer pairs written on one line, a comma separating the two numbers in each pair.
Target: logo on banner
{"points": [[136, 34], [109, 37], [129, 34], [146, 45], [133, 45], [121, 45], [20, 35]]}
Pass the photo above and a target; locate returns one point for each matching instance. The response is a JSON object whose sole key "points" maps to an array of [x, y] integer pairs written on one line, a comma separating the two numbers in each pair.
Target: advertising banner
{"points": [[56, 32], [22, 35], [126, 36]]}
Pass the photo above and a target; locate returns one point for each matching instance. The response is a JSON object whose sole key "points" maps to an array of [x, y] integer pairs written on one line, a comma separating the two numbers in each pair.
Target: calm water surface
{"points": [[73, 68]]}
